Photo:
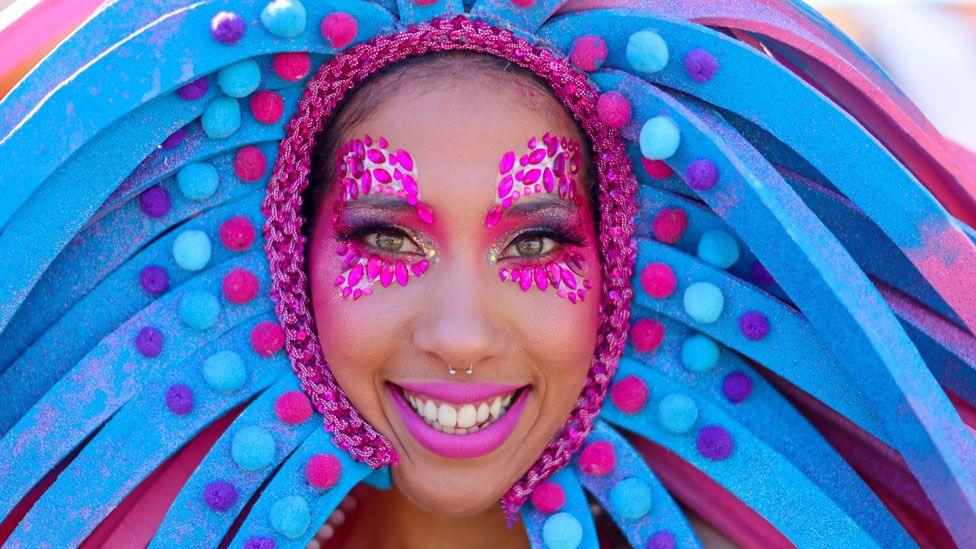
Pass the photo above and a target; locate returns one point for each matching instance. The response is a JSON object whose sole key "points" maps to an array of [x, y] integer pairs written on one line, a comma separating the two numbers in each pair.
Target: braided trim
{"points": [[285, 242]]}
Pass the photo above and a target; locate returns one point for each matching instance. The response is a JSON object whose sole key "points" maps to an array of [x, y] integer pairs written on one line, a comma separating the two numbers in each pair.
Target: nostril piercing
{"points": [[451, 370], [470, 369]]}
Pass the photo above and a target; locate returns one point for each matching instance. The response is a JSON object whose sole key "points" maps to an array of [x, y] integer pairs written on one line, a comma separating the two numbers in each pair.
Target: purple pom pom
{"points": [[702, 174], [149, 342], [194, 90], [754, 325], [700, 65], [220, 495], [179, 399], [227, 28], [661, 540], [714, 442], [154, 201], [259, 543], [154, 280], [174, 139], [736, 387]]}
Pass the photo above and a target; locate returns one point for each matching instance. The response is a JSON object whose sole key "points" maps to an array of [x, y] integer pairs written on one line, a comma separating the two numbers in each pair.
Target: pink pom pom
{"points": [[614, 109], [669, 225], [237, 233], [646, 335], [249, 163], [657, 168], [240, 286], [339, 29], [597, 458], [267, 338], [524, 3], [588, 53], [323, 470], [658, 280], [629, 394], [548, 497], [267, 106], [292, 66], [293, 407]]}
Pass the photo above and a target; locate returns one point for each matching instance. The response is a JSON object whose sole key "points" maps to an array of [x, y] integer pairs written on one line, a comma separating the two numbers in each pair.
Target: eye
{"points": [[392, 240], [531, 244]]}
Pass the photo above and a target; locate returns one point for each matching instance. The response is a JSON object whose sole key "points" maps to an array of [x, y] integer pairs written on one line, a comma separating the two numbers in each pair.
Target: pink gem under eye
{"points": [[507, 163]]}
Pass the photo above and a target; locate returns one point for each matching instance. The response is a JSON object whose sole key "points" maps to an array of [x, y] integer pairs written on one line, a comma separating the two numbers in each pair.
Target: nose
{"points": [[459, 327]]}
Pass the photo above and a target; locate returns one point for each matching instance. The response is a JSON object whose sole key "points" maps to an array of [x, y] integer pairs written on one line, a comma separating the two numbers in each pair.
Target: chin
{"points": [[451, 498]]}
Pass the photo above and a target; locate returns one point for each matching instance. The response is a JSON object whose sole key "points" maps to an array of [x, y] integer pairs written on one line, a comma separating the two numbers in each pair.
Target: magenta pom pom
{"points": [[669, 225], [240, 286], [293, 407], [250, 163], [658, 280], [597, 458], [588, 52], [292, 66], [237, 233], [657, 169], [646, 335], [339, 29], [267, 106], [323, 470], [614, 109], [548, 497], [629, 394], [267, 338]]}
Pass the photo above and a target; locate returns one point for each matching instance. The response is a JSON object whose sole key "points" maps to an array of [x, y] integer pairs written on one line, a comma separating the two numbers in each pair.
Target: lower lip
{"points": [[479, 443]]}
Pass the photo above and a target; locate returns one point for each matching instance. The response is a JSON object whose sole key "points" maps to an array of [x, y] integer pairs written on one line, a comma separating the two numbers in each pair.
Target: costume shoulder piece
{"points": [[800, 364]]}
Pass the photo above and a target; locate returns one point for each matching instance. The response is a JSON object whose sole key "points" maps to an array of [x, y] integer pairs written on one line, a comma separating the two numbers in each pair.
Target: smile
{"points": [[459, 420]]}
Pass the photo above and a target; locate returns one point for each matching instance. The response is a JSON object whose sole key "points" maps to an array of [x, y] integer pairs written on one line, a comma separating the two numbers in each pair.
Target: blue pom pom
{"points": [[284, 18], [199, 309], [222, 118], [252, 448], [718, 248], [239, 79], [631, 498], [704, 302], [647, 51], [224, 371], [562, 531], [677, 413], [192, 249], [197, 181], [659, 138], [290, 516], [699, 353]]}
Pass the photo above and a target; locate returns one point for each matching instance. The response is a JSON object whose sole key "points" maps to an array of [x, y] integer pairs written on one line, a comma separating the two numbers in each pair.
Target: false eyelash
{"points": [[356, 231], [563, 233]]}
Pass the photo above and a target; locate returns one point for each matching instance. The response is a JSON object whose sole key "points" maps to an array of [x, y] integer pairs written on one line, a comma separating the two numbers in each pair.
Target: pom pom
{"points": [[219, 495], [647, 51], [252, 448], [677, 413], [250, 163], [267, 106], [198, 180], [174, 139], [154, 280], [523, 3], [237, 233], [661, 540], [227, 27], [759, 274], [597, 458], [179, 399], [588, 53], [194, 90], [284, 18], [224, 371], [240, 286], [149, 342], [339, 29], [736, 386], [659, 138], [258, 542], [154, 202], [631, 498], [562, 531], [646, 335], [222, 118], [658, 280], [669, 225], [629, 394], [239, 79], [199, 309], [704, 302], [292, 66], [293, 407], [290, 517], [656, 169], [719, 248], [699, 353], [267, 338], [548, 497], [714, 442], [614, 109], [754, 325], [192, 250], [323, 471], [700, 65], [702, 174]]}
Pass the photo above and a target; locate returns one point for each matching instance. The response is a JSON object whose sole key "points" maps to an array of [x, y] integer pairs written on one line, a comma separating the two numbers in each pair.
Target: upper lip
{"points": [[459, 393]]}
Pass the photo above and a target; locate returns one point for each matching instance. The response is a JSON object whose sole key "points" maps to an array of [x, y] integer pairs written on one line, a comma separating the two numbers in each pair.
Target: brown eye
{"points": [[391, 241], [530, 246]]}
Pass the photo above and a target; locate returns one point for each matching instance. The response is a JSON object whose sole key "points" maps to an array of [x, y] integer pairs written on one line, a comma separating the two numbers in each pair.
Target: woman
{"points": [[461, 272]]}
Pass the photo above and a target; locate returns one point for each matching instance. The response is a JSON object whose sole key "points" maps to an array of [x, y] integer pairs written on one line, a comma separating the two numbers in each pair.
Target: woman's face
{"points": [[463, 253]]}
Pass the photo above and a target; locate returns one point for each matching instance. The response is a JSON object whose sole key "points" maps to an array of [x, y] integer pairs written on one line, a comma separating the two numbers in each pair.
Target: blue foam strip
{"points": [[409, 12], [506, 14], [576, 506]]}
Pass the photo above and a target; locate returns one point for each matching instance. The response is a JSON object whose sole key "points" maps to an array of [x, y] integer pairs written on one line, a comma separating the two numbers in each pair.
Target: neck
{"points": [[389, 520]]}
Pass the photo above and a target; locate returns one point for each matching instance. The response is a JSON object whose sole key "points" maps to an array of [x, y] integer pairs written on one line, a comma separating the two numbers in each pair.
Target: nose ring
{"points": [[452, 371]]}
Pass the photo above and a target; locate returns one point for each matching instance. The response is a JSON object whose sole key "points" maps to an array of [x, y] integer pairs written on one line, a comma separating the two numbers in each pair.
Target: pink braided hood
{"points": [[285, 242]]}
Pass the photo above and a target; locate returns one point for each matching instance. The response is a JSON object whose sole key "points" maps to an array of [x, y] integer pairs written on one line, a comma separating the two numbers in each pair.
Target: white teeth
{"points": [[466, 416], [507, 401], [482, 413], [447, 415], [430, 411], [459, 419], [496, 408]]}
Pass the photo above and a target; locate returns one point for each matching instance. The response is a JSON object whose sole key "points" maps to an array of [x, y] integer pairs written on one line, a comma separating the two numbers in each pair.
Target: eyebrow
{"points": [[379, 202], [527, 207]]}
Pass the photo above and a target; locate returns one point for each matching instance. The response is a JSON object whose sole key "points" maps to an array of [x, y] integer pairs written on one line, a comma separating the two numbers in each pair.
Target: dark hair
{"points": [[429, 69]]}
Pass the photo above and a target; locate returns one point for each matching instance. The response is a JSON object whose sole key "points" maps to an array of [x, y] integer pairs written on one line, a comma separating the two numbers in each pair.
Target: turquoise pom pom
{"points": [[198, 180], [199, 309], [704, 302], [225, 371], [284, 18], [631, 498], [192, 250], [222, 118], [562, 531], [647, 51], [240, 79], [677, 413], [659, 138], [290, 516], [252, 448], [699, 353], [719, 248]]}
